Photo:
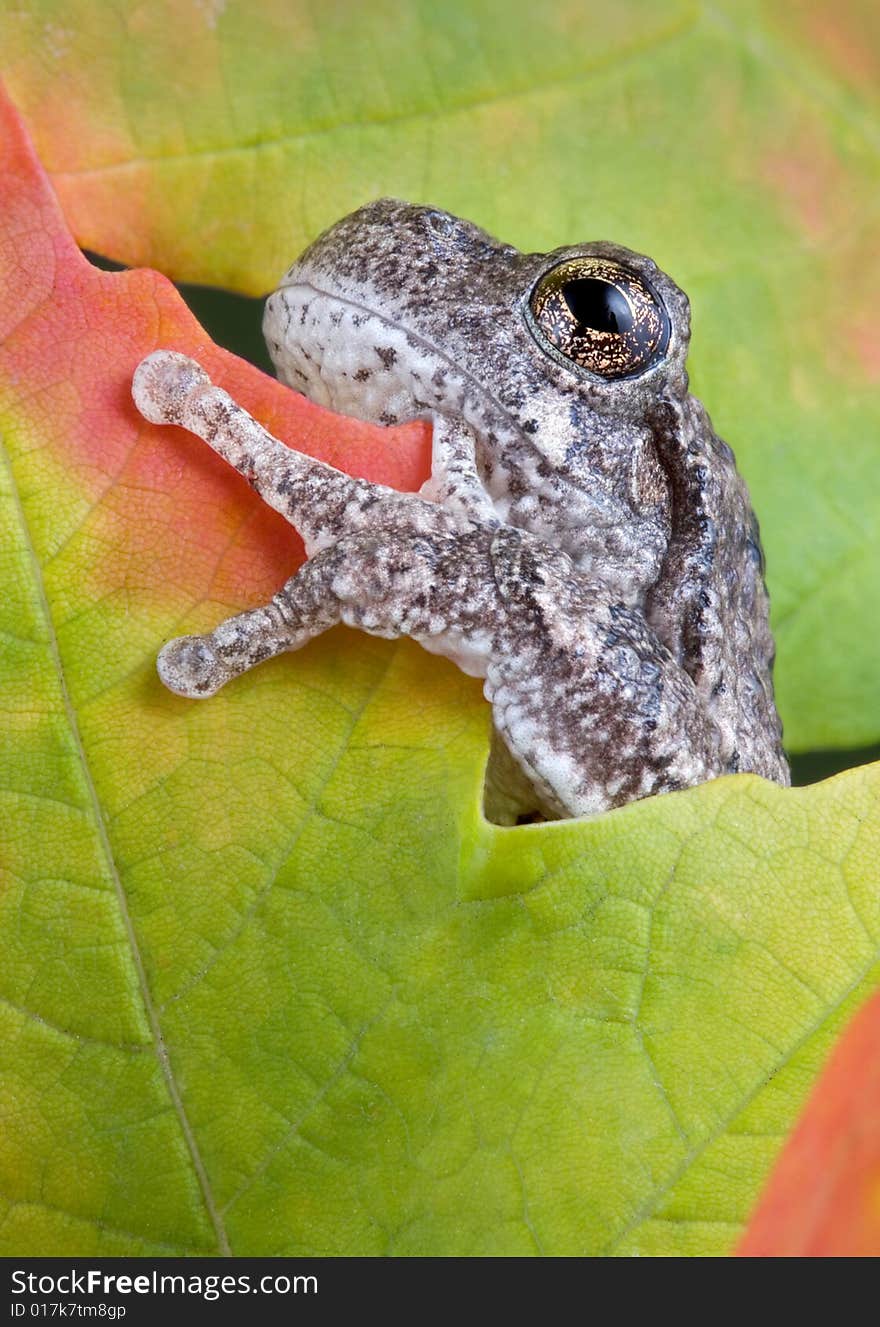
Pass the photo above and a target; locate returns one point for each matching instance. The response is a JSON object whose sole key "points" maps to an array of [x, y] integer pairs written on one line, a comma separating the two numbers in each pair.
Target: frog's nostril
{"points": [[441, 223], [446, 234]]}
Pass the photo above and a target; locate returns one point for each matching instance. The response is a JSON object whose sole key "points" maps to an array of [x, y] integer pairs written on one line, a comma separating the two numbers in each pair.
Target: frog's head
{"points": [[400, 311]]}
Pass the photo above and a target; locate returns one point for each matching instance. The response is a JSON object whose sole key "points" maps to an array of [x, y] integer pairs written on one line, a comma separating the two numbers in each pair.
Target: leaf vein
{"points": [[161, 1049]]}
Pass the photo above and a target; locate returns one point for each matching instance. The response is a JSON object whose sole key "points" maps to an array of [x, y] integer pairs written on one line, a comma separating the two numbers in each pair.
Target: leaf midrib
{"points": [[631, 50], [106, 850], [648, 1208]]}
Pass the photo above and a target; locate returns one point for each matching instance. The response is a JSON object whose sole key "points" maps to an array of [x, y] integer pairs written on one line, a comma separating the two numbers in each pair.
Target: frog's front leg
{"points": [[388, 582], [455, 481], [373, 551], [198, 666], [320, 501], [380, 581]]}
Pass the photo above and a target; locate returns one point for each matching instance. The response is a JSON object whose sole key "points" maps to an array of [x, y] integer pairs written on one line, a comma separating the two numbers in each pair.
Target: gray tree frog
{"points": [[584, 543]]}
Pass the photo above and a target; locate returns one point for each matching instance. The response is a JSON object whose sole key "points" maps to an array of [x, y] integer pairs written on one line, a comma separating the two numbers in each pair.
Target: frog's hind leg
{"points": [[198, 666], [509, 796], [319, 500]]}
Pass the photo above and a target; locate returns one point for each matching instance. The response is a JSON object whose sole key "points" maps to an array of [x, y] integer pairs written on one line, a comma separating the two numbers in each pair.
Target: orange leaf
{"points": [[70, 338], [823, 1198]]}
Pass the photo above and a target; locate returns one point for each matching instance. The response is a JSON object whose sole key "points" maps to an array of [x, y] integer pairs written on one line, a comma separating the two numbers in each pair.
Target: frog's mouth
{"points": [[344, 355]]}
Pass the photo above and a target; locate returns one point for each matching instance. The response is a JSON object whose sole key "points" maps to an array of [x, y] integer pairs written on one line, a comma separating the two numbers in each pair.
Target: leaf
{"points": [[736, 143], [271, 984], [823, 1199]]}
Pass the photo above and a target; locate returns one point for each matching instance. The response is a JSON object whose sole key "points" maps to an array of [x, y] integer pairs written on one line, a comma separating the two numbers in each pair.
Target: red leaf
{"points": [[70, 338]]}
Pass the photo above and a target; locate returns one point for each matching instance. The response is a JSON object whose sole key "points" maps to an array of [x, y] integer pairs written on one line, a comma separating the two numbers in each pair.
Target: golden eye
{"points": [[600, 315]]}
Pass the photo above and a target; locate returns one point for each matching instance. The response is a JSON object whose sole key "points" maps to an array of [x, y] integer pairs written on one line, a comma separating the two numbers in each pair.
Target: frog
{"points": [[584, 543]]}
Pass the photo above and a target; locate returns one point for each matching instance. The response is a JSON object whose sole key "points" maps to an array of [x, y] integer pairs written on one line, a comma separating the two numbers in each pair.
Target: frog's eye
{"points": [[601, 315]]}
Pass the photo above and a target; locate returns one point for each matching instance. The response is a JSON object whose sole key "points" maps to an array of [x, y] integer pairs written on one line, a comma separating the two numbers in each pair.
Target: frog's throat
{"points": [[346, 356]]}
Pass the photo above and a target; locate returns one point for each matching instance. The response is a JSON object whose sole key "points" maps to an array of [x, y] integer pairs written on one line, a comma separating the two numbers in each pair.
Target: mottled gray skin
{"points": [[585, 545]]}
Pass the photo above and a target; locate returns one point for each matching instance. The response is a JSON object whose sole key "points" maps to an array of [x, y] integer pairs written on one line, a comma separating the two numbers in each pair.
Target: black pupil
{"points": [[596, 304]]}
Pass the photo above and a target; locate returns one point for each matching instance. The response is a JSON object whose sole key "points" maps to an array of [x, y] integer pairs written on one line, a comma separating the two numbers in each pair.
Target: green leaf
{"points": [[274, 985]]}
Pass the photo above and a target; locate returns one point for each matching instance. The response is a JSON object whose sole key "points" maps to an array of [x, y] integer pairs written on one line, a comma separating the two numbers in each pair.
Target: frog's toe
{"points": [[190, 666], [163, 384]]}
